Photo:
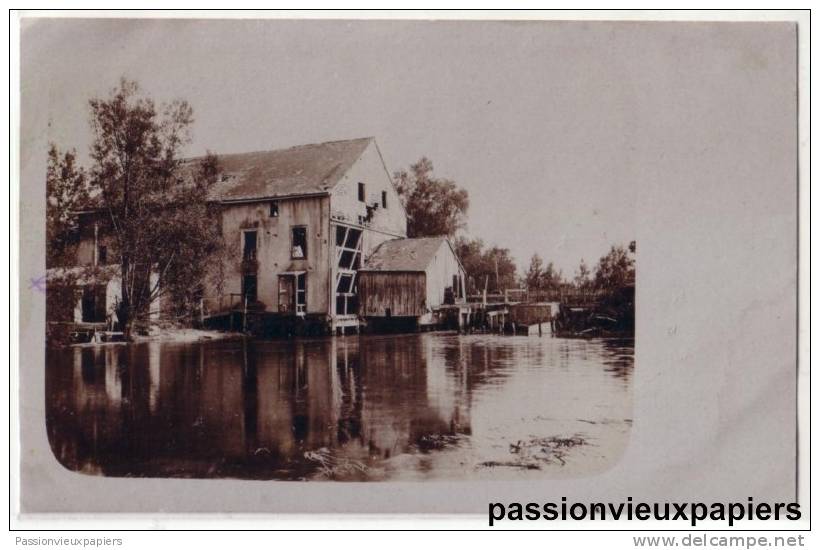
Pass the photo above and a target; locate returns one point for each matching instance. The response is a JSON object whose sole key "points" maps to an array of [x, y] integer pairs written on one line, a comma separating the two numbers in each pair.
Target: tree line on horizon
{"points": [[438, 206]]}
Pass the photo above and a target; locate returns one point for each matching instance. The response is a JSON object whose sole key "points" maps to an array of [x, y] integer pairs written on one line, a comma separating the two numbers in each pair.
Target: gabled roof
{"points": [[302, 170], [404, 254]]}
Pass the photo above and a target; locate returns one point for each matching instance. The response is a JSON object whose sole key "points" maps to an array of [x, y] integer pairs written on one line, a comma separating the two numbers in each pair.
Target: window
{"points": [[301, 293], [384, 199], [274, 209], [349, 250], [102, 254], [361, 192], [293, 293], [249, 245], [348, 261], [298, 242]]}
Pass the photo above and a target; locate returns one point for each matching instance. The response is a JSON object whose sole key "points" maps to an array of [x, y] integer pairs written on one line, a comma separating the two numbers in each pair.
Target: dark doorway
{"points": [[93, 304], [249, 288]]}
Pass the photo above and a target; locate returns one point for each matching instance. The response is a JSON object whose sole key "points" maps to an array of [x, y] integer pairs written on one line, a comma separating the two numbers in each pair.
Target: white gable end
{"points": [[380, 209]]}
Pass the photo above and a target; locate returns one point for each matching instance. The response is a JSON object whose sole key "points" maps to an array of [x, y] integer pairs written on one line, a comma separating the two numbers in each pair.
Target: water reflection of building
{"points": [[360, 402], [251, 408], [254, 409]]}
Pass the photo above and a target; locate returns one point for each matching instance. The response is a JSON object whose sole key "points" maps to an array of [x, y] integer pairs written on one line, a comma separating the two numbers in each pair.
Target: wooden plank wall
{"points": [[402, 292]]}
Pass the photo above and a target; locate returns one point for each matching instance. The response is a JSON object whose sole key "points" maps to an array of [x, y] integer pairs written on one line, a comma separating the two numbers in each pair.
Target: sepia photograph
{"points": [[359, 262], [236, 303]]}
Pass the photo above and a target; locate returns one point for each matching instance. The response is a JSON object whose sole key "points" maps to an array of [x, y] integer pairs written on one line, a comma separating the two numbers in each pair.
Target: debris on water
{"points": [[566, 441], [334, 467], [532, 454], [510, 464], [434, 442]]}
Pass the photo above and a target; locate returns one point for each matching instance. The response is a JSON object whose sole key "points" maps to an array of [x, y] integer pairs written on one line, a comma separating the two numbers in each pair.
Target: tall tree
{"points": [[66, 192], [193, 222], [156, 214], [615, 269], [551, 278], [539, 277], [534, 273], [500, 262], [435, 206], [582, 278], [470, 252], [493, 266]]}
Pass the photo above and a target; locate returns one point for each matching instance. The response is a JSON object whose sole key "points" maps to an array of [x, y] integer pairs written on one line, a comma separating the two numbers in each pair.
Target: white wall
{"points": [[440, 274], [370, 170]]}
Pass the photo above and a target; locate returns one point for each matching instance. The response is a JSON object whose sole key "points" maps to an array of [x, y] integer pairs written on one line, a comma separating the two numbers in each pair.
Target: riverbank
{"points": [[186, 335], [171, 335]]}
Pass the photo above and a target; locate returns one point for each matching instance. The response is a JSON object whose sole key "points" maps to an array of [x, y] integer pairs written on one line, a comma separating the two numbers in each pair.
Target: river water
{"points": [[397, 407]]}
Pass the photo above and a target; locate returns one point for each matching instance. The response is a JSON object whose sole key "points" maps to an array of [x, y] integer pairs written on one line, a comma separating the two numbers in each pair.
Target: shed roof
{"points": [[404, 254], [296, 171]]}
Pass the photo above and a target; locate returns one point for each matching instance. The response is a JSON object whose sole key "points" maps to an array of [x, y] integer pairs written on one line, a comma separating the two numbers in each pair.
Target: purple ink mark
{"points": [[38, 284]]}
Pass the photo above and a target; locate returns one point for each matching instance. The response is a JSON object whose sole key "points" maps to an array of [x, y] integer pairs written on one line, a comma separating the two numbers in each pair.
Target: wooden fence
{"points": [[521, 295]]}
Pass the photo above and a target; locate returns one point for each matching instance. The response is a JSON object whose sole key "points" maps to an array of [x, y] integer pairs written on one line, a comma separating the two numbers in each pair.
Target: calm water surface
{"points": [[420, 406]]}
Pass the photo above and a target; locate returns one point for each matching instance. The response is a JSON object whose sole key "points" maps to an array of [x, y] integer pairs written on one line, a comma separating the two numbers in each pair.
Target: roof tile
{"points": [[301, 170]]}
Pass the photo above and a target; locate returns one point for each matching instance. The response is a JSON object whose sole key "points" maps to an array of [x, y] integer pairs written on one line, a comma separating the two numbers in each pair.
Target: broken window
{"points": [[274, 209], [249, 245], [345, 283], [102, 254], [348, 261], [349, 253], [298, 242], [384, 199], [361, 192]]}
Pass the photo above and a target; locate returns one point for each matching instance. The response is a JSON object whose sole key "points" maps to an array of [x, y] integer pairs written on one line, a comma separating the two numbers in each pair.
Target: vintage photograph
{"points": [[275, 251], [409, 270]]}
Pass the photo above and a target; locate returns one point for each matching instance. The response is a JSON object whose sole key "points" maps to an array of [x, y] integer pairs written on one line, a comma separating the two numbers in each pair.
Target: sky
{"points": [[538, 121]]}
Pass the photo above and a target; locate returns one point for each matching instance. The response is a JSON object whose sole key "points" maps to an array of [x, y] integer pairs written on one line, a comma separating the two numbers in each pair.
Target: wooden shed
{"points": [[411, 278]]}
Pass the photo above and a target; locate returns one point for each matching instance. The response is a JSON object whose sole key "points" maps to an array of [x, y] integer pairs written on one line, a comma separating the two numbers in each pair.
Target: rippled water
{"points": [[418, 406]]}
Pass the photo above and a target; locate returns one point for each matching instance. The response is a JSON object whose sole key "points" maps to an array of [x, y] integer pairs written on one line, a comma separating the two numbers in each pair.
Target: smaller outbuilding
{"points": [[419, 280]]}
